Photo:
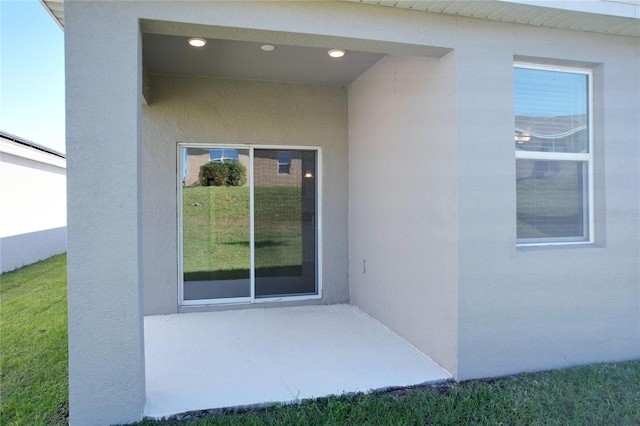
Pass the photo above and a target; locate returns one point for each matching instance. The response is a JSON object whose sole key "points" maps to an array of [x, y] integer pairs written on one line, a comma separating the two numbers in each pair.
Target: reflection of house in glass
{"points": [[276, 168], [552, 134], [279, 168], [565, 134]]}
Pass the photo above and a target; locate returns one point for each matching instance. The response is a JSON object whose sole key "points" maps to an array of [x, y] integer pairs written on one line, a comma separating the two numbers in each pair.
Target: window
{"points": [[284, 162], [220, 155], [249, 243], [553, 155]]}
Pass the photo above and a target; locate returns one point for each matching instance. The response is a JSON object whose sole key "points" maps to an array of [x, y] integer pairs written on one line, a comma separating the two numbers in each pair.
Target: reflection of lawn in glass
{"points": [[548, 197], [216, 231]]}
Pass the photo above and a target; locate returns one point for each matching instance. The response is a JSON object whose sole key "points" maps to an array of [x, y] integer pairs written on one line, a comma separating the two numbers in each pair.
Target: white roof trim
{"points": [[602, 16], [22, 141], [619, 17], [55, 8], [620, 8], [16, 149]]}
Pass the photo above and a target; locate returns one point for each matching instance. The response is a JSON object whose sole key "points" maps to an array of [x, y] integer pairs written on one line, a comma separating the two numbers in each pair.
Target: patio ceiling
{"points": [[171, 54]]}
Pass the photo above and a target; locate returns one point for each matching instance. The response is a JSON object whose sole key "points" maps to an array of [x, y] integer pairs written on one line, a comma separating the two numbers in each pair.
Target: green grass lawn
{"points": [[216, 228], [603, 394], [33, 381], [33, 344]]}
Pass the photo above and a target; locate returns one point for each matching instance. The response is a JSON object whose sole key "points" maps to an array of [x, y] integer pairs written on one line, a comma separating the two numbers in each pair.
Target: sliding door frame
{"points": [[318, 223]]}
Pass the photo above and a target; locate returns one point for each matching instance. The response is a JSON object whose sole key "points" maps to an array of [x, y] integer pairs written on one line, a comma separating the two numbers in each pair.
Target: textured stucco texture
{"points": [[210, 110], [418, 181]]}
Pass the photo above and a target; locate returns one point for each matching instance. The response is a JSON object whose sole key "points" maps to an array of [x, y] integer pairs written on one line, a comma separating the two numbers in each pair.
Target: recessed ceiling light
{"points": [[336, 53], [268, 47], [197, 41]]}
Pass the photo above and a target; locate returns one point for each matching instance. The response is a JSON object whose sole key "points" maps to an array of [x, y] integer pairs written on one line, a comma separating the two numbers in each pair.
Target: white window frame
{"points": [[586, 158], [252, 298]]}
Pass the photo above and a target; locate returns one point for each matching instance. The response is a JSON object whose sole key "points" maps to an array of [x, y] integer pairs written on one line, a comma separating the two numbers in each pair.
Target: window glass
{"points": [[248, 232], [220, 155], [551, 111], [551, 199], [553, 159], [285, 224], [215, 229]]}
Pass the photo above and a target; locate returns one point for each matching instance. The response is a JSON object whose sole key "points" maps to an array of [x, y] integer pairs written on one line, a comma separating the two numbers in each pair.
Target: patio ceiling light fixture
{"points": [[197, 41], [268, 47], [336, 53]]}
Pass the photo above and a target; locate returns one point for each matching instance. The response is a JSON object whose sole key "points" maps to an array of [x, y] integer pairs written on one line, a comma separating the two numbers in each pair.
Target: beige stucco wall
{"points": [[403, 201], [106, 342], [213, 110], [540, 308], [517, 309]]}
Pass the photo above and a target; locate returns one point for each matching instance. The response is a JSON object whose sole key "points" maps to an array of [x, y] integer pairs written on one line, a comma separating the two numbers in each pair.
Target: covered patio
{"points": [[251, 357]]}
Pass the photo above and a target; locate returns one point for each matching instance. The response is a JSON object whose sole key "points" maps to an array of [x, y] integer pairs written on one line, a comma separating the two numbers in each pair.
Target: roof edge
{"points": [[625, 12], [620, 17], [25, 142], [613, 8], [59, 18]]}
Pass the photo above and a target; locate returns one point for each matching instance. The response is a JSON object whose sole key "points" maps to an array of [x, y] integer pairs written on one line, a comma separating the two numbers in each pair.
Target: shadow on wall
{"points": [[20, 250]]}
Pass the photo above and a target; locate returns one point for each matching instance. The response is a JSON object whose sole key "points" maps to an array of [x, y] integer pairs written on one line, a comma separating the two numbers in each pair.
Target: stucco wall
{"points": [[213, 110], [103, 98], [403, 201], [33, 210], [531, 309], [517, 309]]}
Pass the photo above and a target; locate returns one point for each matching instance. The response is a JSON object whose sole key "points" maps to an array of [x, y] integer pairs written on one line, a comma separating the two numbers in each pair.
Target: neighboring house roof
{"points": [[620, 17], [4, 136]]}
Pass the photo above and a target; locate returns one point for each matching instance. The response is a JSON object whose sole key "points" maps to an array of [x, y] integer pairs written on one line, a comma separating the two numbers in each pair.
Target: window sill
{"points": [[557, 246]]}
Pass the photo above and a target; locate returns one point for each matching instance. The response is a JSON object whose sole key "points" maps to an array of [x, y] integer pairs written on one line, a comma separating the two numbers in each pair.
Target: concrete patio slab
{"points": [[237, 358]]}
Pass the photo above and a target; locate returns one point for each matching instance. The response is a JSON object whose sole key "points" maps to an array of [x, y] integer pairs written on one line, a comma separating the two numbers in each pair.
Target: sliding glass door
{"points": [[216, 258], [249, 224], [285, 218]]}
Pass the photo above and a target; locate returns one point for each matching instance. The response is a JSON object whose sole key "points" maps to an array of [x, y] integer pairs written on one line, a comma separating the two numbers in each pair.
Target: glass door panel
{"points": [[285, 222], [216, 249]]}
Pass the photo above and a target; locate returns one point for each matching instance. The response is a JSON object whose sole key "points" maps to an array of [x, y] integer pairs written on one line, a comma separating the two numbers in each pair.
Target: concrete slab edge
{"points": [[199, 414]]}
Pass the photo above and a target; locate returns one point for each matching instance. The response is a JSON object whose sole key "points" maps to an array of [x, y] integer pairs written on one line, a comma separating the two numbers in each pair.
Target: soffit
{"points": [[609, 17], [55, 9], [620, 17], [171, 54]]}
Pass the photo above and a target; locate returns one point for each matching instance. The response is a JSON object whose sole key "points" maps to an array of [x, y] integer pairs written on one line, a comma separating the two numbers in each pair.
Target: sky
{"points": [[31, 74]]}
